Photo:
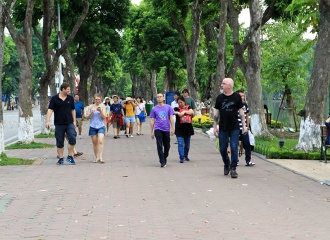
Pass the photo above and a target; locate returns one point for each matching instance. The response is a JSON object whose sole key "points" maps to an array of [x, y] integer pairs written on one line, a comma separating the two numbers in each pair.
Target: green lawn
{"points": [[270, 148], [32, 145], [5, 161]]}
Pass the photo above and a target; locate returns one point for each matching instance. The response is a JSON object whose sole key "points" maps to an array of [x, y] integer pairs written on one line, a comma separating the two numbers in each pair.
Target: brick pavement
{"points": [[131, 197]]}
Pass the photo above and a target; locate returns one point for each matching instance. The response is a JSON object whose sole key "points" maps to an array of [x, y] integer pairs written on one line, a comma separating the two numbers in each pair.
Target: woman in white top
{"points": [[107, 105], [139, 119], [97, 113]]}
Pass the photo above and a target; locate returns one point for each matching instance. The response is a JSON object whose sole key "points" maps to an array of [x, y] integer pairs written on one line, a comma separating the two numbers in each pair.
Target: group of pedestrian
{"points": [[69, 113], [231, 114]]}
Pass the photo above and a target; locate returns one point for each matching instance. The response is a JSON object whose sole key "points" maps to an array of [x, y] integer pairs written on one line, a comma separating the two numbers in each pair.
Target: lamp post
{"points": [[281, 143]]}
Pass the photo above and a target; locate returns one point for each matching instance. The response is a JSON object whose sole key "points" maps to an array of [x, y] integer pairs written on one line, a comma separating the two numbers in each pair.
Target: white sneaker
{"points": [[79, 136], [131, 136]]}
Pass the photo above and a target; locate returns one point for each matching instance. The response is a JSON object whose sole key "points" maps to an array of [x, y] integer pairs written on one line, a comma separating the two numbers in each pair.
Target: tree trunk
{"points": [[191, 48], [68, 71], [221, 51], [290, 106], [210, 37], [252, 74], [85, 63], [310, 134], [165, 84], [23, 44], [2, 40], [153, 78]]}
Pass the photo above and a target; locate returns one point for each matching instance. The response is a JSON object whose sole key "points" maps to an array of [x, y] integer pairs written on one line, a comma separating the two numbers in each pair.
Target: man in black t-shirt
{"points": [[63, 107], [226, 106]]}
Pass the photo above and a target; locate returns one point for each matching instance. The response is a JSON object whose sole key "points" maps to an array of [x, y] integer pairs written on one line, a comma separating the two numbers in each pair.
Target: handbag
{"points": [[142, 116], [185, 118]]}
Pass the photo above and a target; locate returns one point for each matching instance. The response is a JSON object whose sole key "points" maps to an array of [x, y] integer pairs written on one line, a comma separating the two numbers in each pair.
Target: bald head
{"points": [[227, 85], [229, 81]]}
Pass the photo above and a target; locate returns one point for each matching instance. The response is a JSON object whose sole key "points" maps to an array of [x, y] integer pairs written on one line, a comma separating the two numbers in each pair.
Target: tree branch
{"points": [[75, 29]]}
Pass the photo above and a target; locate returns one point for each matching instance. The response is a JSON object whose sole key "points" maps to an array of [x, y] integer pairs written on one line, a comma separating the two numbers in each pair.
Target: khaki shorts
{"points": [[79, 122]]}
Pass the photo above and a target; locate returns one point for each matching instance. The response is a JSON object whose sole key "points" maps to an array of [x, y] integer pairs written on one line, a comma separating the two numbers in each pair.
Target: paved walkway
{"points": [[131, 197]]}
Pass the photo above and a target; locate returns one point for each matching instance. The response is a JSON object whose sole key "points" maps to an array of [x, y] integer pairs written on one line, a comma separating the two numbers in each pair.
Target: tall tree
{"points": [[102, 27], [285, 64], [221, 50], [48, 17], [309, 137], [178, 12], [23, 41], [2, 41], [251, 66]]}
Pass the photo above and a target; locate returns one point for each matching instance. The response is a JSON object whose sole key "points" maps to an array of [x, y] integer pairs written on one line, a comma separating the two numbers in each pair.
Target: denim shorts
{"points": [[130, 119], [61, 130], [95, 131]]}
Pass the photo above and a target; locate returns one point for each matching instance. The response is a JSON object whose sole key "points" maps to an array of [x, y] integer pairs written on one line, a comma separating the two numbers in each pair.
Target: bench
{"points": [[324, 146]]}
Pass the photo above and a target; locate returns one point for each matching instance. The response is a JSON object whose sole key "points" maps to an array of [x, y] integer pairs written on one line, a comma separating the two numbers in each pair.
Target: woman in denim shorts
{"points": [[97, 114]]}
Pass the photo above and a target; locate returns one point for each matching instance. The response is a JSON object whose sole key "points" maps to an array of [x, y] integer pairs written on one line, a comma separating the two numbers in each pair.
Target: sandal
{"points": [[101, 161], [96, 161], [77, 154]]}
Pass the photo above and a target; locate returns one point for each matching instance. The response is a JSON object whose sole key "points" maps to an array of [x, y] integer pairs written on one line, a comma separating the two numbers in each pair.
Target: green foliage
{"points": [[308, 14], [11, 69], [283, 64], [6, 161], [99, 37], [32, 145], [10, 76], [44, 135], [270, 148]]}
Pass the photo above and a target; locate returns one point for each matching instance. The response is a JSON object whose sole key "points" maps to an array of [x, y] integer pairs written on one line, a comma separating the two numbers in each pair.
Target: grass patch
{"points": [[32, 145], [270, 148], [45, 135], [5, 161]]}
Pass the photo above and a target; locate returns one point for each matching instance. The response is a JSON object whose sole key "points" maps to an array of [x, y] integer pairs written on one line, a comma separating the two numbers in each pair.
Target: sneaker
{"points": [[186, 159], [163, 165], [131, 136], [233, 173], [181, 160], [226, 170], [60, 161], [250, 164], [70, 160], [79, 136], [127, 135]]}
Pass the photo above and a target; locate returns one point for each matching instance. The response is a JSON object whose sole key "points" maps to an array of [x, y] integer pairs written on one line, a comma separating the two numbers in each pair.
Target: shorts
{"points": [[61, 130], [116, 123], [130, 119], [95, 131], [78, 122], [142, 120]]}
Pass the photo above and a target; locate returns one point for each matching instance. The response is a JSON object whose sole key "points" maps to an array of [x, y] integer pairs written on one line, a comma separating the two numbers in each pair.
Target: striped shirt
{"points": [[246, 110]]}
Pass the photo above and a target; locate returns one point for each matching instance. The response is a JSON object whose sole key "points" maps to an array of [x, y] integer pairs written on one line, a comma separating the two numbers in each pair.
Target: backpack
{"points": [[185, 118]]}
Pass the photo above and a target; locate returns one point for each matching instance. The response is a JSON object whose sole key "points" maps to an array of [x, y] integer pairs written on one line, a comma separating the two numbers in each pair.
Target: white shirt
{"points": [[174, 104]]}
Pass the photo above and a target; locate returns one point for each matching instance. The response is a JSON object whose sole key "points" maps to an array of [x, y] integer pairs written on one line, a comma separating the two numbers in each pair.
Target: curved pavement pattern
{"points": [[131, 197]]}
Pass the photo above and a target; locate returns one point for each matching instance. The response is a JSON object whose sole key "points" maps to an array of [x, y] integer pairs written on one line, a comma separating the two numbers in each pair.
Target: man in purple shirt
{"points": [[161, 126]]}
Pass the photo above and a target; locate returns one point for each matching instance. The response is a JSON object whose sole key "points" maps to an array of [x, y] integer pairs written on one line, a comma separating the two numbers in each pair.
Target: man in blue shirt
{"points": [[79, 106]]}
